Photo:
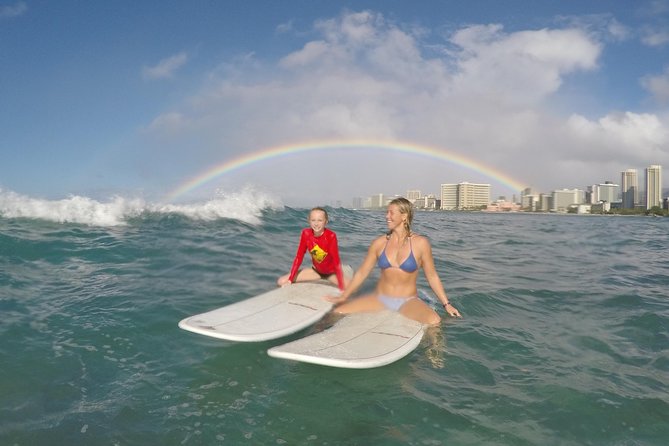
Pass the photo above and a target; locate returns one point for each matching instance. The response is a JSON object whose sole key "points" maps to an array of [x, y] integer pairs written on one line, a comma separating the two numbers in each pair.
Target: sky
{"points": [[140, 99]]}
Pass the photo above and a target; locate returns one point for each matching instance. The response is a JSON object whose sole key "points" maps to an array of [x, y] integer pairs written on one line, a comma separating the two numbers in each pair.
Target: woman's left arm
{"points": [[433, 277]]}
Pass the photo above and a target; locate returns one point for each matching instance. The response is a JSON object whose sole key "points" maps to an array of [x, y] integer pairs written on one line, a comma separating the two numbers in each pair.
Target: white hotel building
{"points": [[629, 188], [653, 186], [564, 199], [464, 195], [607, 191]]}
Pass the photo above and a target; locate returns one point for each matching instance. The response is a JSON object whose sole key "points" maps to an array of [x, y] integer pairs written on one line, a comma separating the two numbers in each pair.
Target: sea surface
{"points": [[564, 339]]}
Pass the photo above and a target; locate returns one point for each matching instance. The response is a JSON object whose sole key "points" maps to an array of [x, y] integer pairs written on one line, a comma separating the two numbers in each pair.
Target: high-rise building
{"points": [[428, 201], [449, 196], [464, 195], [565, 198], [472, 195], [413, 195], [592, 194], [377, 201], [607, 192], [545, 202], [653, 186], [629, 189], [530, 202]]}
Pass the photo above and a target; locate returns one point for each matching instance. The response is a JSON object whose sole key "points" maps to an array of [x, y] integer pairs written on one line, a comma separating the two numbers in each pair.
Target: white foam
{"points": [[246, 205], [74, 209]]}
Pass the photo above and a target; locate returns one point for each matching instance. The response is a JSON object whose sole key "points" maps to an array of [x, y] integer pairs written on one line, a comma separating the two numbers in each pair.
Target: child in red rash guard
{"points": [[321, 243]]}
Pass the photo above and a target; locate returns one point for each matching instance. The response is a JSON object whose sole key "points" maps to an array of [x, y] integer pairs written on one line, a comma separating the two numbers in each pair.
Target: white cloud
{"points": [[618, 31], [285, 27], [525, 66], [655, 33], [655, 36], [487, 97], [658, 86], [627, 139], [353, 30], [166, 67], [656, 7], [15, 10], [312, 51], [604, 26], [172, 123]]}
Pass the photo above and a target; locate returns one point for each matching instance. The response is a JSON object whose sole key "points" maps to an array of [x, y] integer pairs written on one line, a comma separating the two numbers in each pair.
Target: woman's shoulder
{"points": [[380, 240], [419, 240]]}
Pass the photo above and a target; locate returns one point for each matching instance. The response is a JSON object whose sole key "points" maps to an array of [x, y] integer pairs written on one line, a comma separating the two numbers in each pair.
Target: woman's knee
{"points": [[419, 311], [433, 318]]}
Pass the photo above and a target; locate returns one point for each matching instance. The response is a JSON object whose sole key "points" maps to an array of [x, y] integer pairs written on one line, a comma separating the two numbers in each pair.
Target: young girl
{"points": [[321, 243]]}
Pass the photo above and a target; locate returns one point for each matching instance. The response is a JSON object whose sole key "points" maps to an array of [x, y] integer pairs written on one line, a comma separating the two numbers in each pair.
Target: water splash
{"points": [[245, 205]]}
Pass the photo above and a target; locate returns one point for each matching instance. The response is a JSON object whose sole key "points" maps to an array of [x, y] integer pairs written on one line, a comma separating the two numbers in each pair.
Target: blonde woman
{"points": [[399, 255]]}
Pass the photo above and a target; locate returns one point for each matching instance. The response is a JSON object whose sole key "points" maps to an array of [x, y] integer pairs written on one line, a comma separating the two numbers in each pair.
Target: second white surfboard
{"points": [[359, 341]]}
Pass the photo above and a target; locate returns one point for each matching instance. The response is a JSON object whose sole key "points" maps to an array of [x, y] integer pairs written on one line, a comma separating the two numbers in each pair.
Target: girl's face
{"points": [[394, 218], [317, 222]]}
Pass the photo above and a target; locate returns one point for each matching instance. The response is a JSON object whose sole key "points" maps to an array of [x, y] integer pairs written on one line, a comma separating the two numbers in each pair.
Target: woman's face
{"points": [[394, 217], [317, 222]]}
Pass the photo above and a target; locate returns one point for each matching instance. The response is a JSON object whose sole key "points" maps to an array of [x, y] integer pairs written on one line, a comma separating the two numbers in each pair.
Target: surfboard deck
{"points": [[276, 313], [357, 341]]}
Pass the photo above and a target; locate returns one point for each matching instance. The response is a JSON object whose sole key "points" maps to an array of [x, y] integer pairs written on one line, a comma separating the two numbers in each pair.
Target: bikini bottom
{"points": [[394, 303]]}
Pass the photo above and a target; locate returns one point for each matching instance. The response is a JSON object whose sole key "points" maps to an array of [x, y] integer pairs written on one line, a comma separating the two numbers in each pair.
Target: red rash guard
{"points": [[324, 254]]}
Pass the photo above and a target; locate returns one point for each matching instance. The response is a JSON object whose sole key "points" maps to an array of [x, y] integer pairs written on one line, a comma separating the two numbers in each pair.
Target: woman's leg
{"points": [[419, 311], [436, 346], [360, 304]]}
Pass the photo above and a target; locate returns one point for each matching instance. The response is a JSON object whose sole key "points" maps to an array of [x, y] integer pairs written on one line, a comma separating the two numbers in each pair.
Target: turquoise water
{"points": [[564, 340]]}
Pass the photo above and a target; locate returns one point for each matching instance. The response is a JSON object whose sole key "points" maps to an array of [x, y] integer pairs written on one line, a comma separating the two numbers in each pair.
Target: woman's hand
{"points": [[451, 310], [335, 299]]}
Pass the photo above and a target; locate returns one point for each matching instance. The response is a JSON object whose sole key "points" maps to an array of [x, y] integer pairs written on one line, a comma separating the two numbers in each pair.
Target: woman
{"points": [[399, 254]]}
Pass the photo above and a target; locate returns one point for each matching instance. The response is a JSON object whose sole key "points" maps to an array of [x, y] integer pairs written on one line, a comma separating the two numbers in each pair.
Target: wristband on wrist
{"points": [[446, 304]]}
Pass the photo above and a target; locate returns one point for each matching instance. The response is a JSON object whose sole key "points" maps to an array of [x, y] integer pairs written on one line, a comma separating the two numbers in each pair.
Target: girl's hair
{"points": [[405, 207], [318, 208]]}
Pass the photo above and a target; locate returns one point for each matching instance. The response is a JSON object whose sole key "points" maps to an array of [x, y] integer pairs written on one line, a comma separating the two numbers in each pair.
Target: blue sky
{"points": [[134, 98]]}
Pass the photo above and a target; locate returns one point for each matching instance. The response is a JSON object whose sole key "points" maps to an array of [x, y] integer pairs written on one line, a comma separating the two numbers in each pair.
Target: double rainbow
{"points": [[318, 146]]}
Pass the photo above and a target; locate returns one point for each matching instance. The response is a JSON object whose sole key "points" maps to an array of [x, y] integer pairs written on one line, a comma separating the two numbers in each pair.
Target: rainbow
{"points": [[316, 146]]}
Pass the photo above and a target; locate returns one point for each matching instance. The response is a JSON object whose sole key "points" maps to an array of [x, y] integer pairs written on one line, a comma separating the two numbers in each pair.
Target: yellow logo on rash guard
{"points": [[317, 253]]}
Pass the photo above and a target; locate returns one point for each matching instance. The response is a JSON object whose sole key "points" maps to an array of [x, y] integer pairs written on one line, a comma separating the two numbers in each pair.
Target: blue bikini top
{"points": [[408, 266]]}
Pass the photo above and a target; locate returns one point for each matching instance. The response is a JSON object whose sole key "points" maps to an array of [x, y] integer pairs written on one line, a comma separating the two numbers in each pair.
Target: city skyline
{"points": [[636, 199]]}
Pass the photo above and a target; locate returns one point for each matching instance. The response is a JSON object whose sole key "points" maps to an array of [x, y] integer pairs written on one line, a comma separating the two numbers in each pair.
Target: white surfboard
{"points": [[271, 315], [357, 341]]}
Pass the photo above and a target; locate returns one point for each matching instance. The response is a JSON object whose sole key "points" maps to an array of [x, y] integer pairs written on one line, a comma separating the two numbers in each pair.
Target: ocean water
{"points": [[564, 340]]}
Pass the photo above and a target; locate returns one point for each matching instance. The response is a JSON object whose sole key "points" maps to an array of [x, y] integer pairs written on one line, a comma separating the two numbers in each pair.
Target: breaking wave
{"points": [[246, 205]]}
